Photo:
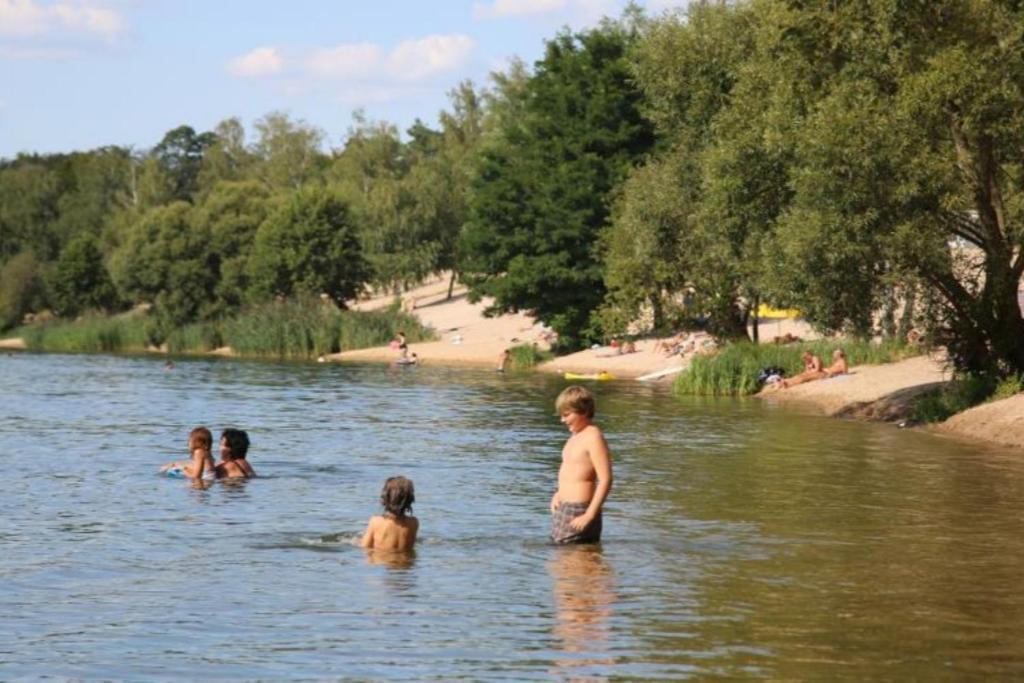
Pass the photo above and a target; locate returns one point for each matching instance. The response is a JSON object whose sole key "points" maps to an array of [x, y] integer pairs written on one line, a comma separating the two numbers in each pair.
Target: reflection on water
{"points": [[741, 540], [583, 586]]}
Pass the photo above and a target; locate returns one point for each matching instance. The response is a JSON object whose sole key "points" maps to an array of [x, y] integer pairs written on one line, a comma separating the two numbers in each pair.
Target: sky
{"points": [[80, 74]]}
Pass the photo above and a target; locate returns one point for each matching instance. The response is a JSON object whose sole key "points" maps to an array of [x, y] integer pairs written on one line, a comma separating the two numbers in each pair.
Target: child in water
{"points": [[585, 476], [201, 467], [396, 529]]}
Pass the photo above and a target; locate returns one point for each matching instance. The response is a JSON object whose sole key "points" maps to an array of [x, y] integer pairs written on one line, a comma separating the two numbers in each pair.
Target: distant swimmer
{"points": [[396, 529], [503, 360]]}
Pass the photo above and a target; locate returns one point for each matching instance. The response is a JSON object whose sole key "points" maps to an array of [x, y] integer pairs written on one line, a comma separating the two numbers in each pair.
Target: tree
{"points": [[287, 152], [180, 155], [310, 245], [908, 158], [29, 194], [541, 195], [227, 157], [689, 225], [80, 280], [22, 289], [231, 213], [167, 259]]}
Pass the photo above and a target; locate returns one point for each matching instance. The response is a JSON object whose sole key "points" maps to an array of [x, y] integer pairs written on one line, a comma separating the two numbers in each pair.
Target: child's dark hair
{"points": [[397, 496]]}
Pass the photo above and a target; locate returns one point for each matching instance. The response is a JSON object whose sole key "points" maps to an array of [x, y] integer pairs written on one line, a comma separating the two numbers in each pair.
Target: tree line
{"points": [[859, 161]]}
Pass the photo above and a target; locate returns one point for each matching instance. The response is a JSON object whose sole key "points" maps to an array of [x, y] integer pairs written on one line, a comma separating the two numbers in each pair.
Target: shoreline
{"points": [[467, 338]]}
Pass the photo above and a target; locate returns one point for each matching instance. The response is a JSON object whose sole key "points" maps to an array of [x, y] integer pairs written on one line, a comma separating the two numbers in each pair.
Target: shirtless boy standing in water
{"points": [[585, 477]]}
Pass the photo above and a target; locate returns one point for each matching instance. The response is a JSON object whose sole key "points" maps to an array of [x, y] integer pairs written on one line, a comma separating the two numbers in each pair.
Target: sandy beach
{"points": [[469, 338]]}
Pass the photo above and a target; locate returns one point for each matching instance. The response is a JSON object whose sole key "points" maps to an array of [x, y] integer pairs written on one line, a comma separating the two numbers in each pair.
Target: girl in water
{"points": [[200, 467]]}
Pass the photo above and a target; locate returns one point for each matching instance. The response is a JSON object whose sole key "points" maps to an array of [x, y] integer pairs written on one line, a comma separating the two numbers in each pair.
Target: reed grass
{"points": [[308, 328], [526, 356], [89, 334], [300, 328], [195, 338], [734, 369]]}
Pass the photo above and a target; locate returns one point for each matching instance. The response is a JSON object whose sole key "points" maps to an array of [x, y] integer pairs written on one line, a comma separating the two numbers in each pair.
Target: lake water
{"points": [[741, 540]]}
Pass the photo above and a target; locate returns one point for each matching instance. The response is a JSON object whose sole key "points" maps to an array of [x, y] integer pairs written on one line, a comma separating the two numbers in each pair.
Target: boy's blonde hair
{"points": [[575, 399], [200, 437]]}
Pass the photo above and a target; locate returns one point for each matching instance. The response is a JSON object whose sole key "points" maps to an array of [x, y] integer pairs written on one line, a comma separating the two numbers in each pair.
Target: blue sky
{"points": [[80, 74]]}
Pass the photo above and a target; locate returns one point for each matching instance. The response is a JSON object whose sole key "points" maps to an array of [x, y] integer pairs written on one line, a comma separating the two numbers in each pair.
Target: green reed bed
{"points": [[195, 338], [308, 328], [90, 334], [526, 356], [734, 369]]}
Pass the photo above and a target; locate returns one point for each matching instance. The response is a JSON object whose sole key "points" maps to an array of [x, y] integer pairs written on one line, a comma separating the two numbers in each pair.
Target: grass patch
{"points": [[733, 370], [90, 334], [195, 338], [965, 391], [526, 356], [308, 328], [298, 328]]}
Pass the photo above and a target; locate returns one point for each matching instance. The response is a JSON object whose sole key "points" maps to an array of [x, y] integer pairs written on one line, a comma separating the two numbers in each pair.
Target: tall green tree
{"points": [[80, 280], [180, 155], [29, 197], [167, 260], [397, 191], [22, 288], [231, 213], [541, 195], [287, 153], [679, 245], [310, 245], [908, 155]]}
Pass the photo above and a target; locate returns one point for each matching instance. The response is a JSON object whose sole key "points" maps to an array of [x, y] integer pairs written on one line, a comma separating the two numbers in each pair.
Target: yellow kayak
{"points": [[596, 375]]}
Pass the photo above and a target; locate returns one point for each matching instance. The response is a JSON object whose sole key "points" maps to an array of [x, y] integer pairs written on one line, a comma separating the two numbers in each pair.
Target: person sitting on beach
{"points": [[585, 476], [396, 529], [812, 371], [839, 366], [200, 467], [234, 446], [672, 345]]}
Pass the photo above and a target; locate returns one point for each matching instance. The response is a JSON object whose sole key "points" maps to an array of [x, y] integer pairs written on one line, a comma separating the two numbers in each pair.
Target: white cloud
{"points": [[416, 59], [410, 60], [500, 9], [344, 60], [31, 18], [263, 61]]}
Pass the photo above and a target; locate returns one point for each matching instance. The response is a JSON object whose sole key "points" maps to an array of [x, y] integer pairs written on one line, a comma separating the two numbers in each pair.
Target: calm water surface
{"points": [[741, 540]]}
